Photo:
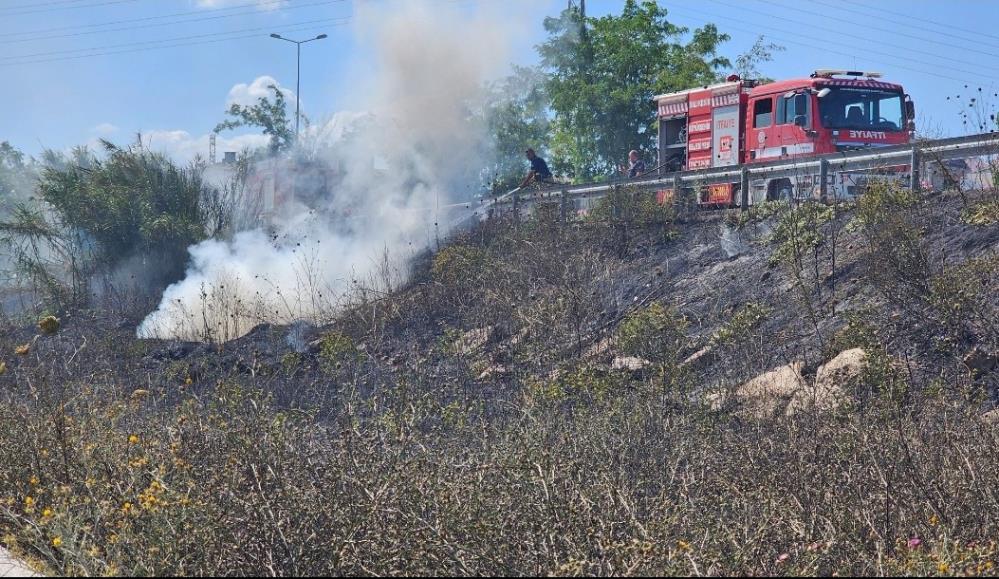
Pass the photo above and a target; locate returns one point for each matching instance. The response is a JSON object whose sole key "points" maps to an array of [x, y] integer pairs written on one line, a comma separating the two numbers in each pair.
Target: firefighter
{"points": [[636, 166], [539, 171]]}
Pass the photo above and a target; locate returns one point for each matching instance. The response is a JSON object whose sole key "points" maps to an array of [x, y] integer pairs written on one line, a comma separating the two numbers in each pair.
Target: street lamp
{"points": [[298, 81]]}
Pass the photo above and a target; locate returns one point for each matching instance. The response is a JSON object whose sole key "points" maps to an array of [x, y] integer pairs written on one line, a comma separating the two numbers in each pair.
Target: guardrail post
{"points": [[824, 180], [744, 189], [679, 200], [914, 184], [563, 212]]}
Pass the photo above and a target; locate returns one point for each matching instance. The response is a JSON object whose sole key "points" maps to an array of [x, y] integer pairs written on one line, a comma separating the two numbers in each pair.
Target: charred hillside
{"points": [[800, 389]]}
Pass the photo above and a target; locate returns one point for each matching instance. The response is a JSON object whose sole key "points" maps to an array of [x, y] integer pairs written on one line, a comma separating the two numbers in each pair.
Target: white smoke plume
{"points": [[415, 146]]}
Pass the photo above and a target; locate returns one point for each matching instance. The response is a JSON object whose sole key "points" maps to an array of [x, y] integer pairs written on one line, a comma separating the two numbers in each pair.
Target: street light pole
{"points": [[298, 75]]}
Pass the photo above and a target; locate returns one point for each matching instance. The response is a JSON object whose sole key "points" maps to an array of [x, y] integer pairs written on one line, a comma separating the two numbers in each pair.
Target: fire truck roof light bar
{"points": [[831, 72]]}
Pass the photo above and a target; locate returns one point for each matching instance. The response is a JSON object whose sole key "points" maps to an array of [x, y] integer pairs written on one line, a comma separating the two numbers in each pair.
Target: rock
{"points": [[767, 394], [630, 363], [980, 363], [833, 384]]}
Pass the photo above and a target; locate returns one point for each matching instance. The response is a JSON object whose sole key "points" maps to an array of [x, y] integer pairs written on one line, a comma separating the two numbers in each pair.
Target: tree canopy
{"points": [[269, 115], [603, 73]]}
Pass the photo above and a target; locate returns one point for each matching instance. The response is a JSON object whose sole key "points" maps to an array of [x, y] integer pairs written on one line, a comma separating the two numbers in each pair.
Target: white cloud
{"points": [[105, 129], [248, 94], [184, 147], [261, 4]]}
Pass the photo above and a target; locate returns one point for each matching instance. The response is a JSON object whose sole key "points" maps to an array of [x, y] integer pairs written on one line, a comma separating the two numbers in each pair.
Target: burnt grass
{"points": [[474, 420]]}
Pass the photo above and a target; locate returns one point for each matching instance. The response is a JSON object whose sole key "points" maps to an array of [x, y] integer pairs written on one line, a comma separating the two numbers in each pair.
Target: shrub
{"points": [[983, 213], [745, 319], [133, 203], [656, 333], [459, 265]]}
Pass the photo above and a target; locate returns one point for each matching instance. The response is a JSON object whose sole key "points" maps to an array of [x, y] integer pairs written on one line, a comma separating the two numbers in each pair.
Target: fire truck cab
{"points": [[741, 121]]}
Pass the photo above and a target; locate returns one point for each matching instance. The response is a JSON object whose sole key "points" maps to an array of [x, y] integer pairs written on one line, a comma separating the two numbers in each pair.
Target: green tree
{"points": [[270, 115], [134, 203], [15, 174], [604, 73], [747, 63], [517, 117]]}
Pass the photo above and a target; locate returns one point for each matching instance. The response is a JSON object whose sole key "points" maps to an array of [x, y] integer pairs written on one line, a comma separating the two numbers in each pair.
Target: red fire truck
{"points": [[741, 121]]}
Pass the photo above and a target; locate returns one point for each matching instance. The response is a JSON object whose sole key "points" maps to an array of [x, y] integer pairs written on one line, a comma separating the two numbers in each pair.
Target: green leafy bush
{"points": [[133, 203], [656, 333]]}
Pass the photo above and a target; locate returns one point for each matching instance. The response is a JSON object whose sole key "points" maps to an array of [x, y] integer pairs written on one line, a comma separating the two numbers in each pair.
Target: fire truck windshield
{"points": [[862, 108]]}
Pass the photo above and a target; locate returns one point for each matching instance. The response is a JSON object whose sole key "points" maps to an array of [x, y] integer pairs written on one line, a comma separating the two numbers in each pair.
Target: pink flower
{"points": [[915, 543], [783, 557]]}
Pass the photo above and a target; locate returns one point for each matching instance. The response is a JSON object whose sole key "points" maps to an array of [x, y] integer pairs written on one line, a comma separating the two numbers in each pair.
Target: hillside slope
{"points": [[544, 398]]}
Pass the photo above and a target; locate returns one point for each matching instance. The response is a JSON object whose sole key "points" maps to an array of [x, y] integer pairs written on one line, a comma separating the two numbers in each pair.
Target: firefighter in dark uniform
{"points": [[539, 173]]}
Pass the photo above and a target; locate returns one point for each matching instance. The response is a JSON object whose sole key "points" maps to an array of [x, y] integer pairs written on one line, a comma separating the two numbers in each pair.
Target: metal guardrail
{"points": [[858, 160]]}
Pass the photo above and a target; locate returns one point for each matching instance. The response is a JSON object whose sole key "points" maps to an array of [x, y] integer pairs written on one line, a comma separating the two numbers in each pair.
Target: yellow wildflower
{"points": [[934, 521], [133, 439], [34, 481], [188, 381], [57, 542], [683, 545], [126, 508], [943, 568], [47, 513], [49, 325], [23, 350]]}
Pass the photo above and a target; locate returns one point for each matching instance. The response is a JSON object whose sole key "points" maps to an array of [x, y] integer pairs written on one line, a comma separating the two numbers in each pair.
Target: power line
{"points": [[173, 43], [858, 37], [158, 24], [888, 30], [908, 17], [78, 6], [131, 20], [145, 42], [37, 4], [913, 26], [701, 14]]}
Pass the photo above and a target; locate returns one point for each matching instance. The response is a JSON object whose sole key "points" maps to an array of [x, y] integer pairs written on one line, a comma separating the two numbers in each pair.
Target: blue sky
{"points": [[178, 62]]}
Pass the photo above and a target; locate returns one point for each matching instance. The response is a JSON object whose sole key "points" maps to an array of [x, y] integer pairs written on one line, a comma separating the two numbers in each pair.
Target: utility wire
{"points": [[699, 15], [798, 9], [149, 42], [311, 25], [37, 4], [909, 17], [35, 34], [894, 56], [159, 24], [913, 26], [53, 9]]}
